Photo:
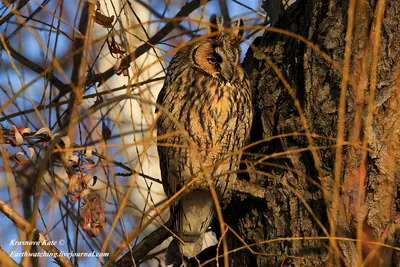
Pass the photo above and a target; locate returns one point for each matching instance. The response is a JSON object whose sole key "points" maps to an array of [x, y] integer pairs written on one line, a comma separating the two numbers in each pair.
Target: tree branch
{"points": [[24, 226], [6, 260], [145, 246]]}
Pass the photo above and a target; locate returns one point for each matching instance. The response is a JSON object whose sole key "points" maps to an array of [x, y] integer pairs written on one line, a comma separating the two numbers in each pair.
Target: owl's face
{"points": [[218, 56]]}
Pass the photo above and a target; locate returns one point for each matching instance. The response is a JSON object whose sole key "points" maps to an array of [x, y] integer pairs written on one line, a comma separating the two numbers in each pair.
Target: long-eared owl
{"points": [[204, 122]]}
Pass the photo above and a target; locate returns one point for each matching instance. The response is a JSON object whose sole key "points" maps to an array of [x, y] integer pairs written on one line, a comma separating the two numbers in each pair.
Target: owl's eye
{"points": [[214, 59]]}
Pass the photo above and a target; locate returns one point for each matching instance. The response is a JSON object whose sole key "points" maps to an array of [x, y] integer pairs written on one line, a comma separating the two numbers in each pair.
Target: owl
{"points": [[203, 122]]}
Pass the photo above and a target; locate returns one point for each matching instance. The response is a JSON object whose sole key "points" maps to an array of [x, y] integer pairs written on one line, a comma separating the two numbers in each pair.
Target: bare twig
{"points": [[185, 11], [160, 16], [123, 166], [24, 226], [79, 67], [23, 24], [145, 246], [224, 10], [6, 260], [13, 11], [36, 68]]}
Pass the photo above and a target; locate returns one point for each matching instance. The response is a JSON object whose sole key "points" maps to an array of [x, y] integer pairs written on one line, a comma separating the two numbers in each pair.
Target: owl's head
{"points": [[218, 56]]}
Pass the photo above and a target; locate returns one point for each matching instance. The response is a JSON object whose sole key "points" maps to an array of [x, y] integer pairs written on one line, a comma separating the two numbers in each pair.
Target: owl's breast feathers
{"points": [[216, 116]]}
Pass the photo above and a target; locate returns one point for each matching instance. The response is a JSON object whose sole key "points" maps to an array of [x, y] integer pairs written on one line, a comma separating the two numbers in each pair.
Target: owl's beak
{"points": [[227, 71]]}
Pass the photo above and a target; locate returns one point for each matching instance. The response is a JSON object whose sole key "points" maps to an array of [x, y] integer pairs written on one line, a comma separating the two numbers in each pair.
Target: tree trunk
{"points": [[300, 123]]}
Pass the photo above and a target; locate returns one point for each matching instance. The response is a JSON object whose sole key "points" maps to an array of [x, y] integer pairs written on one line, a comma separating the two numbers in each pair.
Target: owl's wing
{"points": [[170, 182], [162, 150], [166, 154]]}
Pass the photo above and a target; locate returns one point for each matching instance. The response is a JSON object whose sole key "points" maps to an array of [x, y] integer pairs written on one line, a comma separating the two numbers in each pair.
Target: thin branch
{"points": [[160, 16], [13, 11], [22, 25], [123, 166], [79, 67], [169, 27], [224, 10], [6, 260], [24, 226], [145, 246], [36, 68]]}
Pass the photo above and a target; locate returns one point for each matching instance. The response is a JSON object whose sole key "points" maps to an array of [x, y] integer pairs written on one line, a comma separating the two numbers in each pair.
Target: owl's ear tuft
{"points": [[237, 30], [216, 24]]}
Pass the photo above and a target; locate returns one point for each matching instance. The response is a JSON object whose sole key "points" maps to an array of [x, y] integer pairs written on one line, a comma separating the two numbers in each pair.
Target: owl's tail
{"points": [[193, 216]]}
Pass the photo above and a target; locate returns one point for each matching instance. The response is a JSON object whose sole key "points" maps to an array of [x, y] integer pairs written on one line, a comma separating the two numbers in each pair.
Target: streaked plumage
{"points": [[208, 93]]}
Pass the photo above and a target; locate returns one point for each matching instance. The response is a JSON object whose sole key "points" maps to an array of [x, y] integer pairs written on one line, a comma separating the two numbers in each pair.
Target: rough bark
{"points": [[293, 188]]}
